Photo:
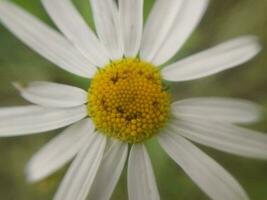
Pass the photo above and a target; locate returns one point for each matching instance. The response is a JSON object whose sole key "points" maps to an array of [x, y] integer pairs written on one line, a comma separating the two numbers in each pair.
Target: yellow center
{"points": [[128, 100]]}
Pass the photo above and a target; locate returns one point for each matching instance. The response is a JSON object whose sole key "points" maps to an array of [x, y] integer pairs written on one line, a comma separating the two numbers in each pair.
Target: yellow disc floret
{"points": [[128, 100]]}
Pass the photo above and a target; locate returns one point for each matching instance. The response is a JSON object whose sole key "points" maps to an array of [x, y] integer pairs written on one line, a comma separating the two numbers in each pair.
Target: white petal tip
{"points": [[32, 173], [30, 176], [255, 41], [18, 86]]}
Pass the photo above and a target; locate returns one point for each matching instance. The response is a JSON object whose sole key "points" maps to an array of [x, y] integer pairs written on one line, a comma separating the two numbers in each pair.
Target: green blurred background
{"points": [[223, 20]]}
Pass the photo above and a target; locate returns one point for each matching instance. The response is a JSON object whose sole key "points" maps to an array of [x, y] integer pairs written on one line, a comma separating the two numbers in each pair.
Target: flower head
{"points": [[128, 100]]}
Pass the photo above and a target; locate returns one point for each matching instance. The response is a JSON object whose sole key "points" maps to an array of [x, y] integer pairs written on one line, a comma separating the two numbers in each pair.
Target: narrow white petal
{"points": [[141, 181], [109, 171], [52, 94], [224, 137], [213, 179], [17, 110], [70, 22], [81, 174], [217, 109], [179, 19], [131, 19], [29, 120], [224, 56], [106, 16], [159, 23], [44, 40], [59, 151]]}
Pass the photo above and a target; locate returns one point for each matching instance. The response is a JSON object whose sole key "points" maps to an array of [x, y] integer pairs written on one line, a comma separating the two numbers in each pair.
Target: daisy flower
{"points": [[129, 100]]}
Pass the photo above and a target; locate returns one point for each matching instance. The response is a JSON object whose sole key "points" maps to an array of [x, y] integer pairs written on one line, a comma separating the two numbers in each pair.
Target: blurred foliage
{"points": [[223, 20]]}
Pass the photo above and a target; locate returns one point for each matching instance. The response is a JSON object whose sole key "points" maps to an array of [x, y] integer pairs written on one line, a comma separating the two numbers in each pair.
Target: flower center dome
{"points": [[128, 100]]}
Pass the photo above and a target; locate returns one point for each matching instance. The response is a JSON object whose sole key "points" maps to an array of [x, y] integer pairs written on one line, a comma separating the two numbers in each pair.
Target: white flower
{"points": [[99, 159]]}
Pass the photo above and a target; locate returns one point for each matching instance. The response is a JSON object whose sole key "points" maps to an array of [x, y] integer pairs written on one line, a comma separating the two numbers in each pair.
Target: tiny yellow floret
{"points": [[128, 100]]}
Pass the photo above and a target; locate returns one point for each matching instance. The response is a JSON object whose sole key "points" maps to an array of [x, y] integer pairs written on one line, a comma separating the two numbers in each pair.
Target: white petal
{"points": [[30, 119], [131, 19], [70, 22], [160, 20], [44, 40], [59, 151], [109, 171], [17, 110], [80, 176], [179, 19], [215, 181], [213, 60], [224, 137], [106, 16], [217, 109], [52, 94], [141, 181]]}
